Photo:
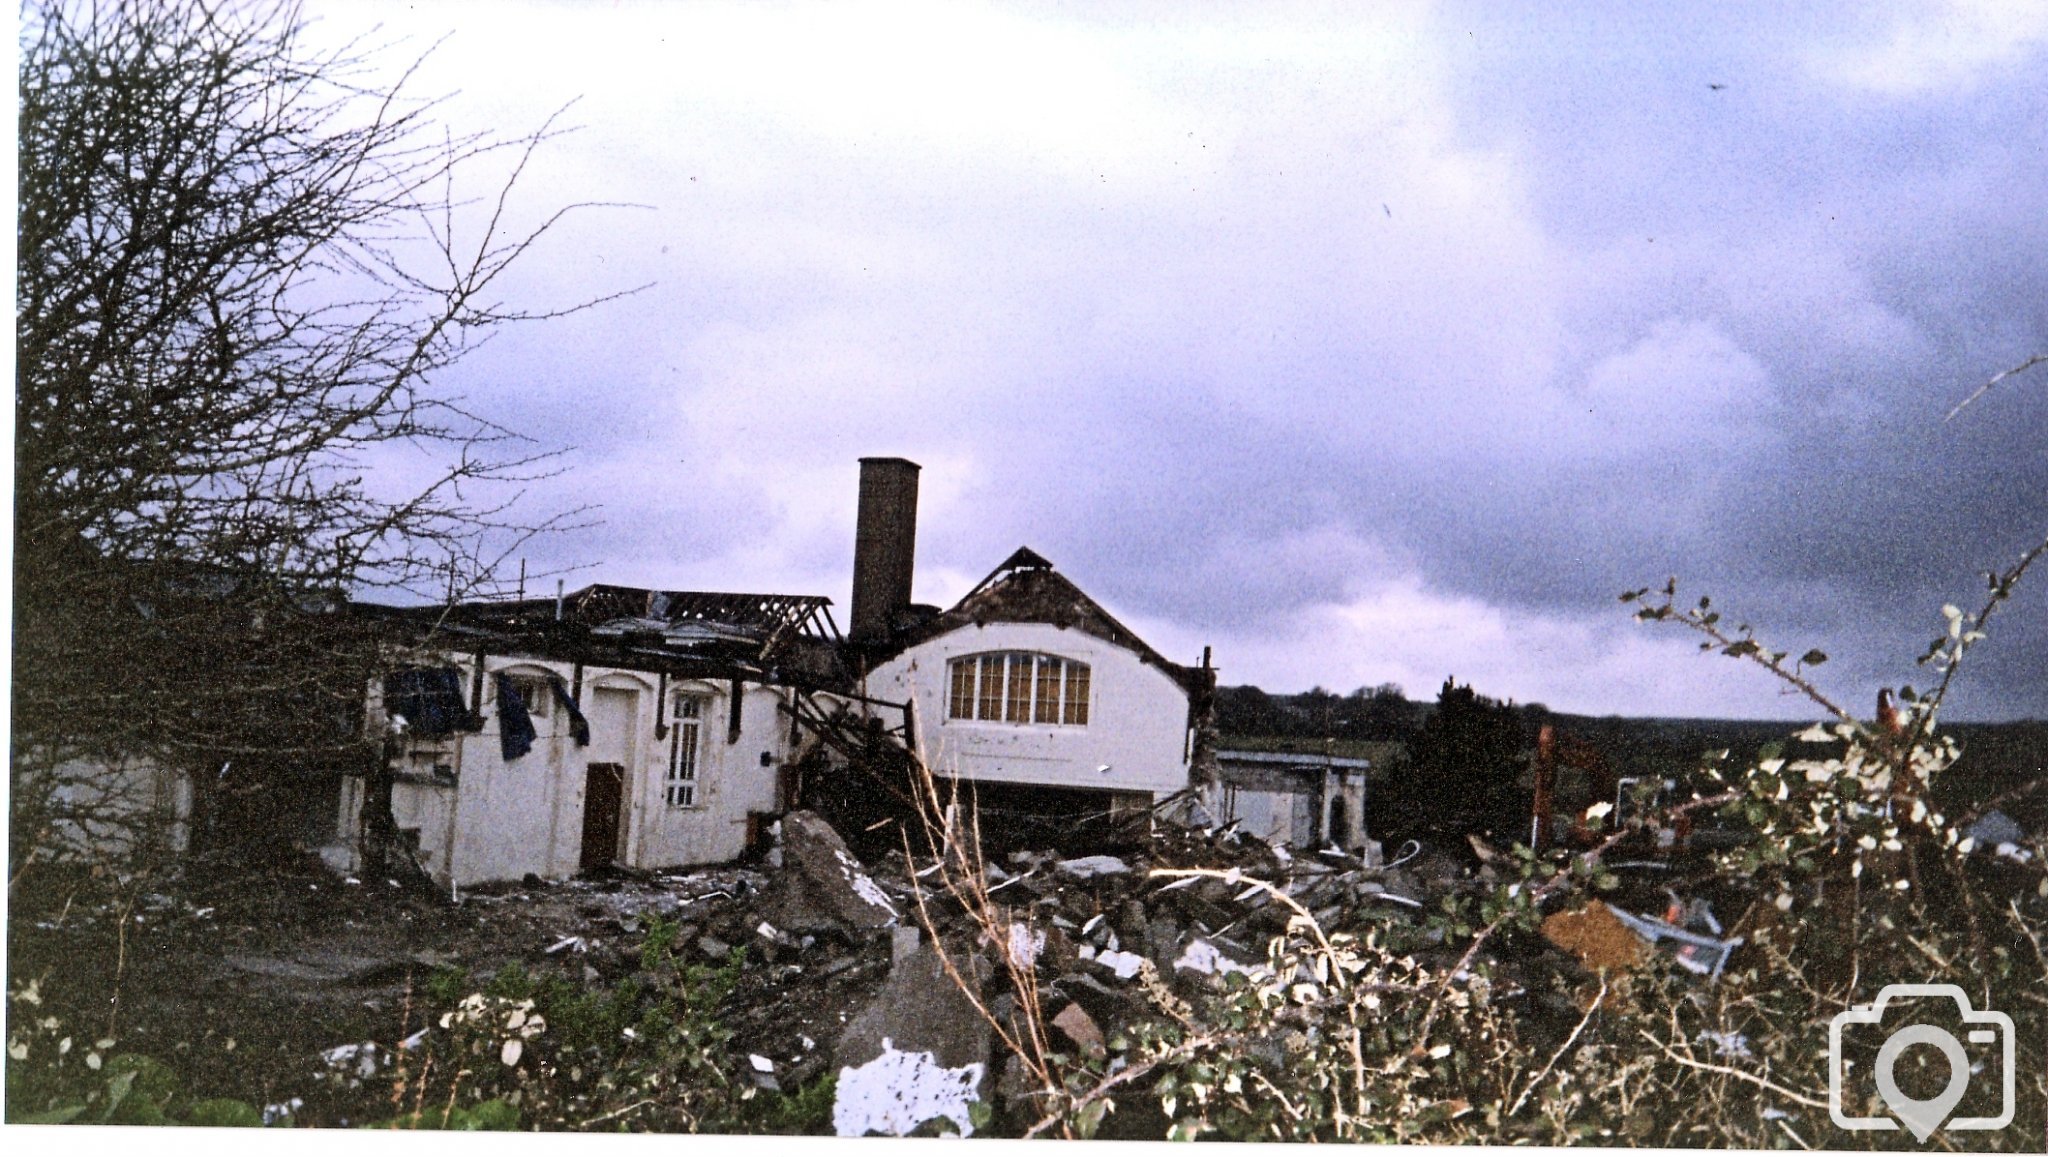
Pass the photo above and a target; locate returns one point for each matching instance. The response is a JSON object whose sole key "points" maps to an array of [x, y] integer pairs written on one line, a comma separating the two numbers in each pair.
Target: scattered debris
{"points": [[1205, 958], [1088, 867], [1704, 955], [1081, 1029], [353, 1062], [1124, 964], [821, 886]]}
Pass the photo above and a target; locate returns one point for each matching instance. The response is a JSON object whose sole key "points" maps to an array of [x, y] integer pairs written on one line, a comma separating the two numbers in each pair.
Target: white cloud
{"points": [[1404, 632], [1945, 45]]}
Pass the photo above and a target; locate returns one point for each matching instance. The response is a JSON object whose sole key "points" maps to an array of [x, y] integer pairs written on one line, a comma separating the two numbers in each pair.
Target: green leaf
{"points": [[1090, 1117], [1813, 658], [62, 1115], [493, 1116], [225, 1113], [117, 1092]]}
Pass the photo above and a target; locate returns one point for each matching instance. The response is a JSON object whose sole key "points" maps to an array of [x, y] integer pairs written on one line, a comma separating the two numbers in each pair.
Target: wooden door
{"points": [[604, 790]]}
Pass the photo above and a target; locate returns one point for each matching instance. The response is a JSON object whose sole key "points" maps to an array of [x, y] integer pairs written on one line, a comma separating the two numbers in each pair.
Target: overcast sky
{"points": [[1363, 343]]}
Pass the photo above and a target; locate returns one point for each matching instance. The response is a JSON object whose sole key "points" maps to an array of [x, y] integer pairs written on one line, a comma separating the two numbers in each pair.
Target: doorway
{"points": [[604, 790]]}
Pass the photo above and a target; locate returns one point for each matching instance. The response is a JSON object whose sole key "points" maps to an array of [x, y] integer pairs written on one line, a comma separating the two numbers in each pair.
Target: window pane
{"points": [[1076, 698], [990, 702], [1019, 693], [1047, 708], [682, 755], [960, 705]]}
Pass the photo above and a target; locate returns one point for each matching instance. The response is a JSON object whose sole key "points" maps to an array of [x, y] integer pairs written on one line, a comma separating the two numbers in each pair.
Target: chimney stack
{"points": [[884, 546]]}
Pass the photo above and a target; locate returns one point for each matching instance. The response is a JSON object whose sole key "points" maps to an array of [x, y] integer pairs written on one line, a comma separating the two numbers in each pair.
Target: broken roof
{"points": [[614, 610], [1026, 589], [639, 626]]}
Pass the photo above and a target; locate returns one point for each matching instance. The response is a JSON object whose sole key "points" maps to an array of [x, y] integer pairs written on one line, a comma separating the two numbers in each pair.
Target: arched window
{"points": [[1018, 687]]}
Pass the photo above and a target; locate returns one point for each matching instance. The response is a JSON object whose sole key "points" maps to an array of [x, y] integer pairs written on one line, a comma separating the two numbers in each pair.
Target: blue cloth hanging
{"points": [[515, 724], [579, 727]]}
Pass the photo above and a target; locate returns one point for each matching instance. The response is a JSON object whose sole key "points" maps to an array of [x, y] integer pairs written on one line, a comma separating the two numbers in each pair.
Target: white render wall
{"points": [[731, 780], [1137, 716], [501, 820], [115, 809]]}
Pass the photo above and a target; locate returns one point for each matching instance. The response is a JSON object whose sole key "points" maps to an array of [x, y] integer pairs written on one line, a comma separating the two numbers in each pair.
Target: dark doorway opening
{"points": [[604, 791]]}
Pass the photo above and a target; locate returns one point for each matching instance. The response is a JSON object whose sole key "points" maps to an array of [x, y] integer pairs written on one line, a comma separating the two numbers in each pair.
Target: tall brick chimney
{"points": [[884, 546]]}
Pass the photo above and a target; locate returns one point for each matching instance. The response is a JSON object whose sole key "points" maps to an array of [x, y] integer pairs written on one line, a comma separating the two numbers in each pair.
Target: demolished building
{"points": [[614, 725], [1026, 688], [647, 728], [1309, 800]]}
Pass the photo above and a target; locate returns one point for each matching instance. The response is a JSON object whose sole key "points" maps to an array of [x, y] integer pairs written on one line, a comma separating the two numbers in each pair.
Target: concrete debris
{"points": [[1994, 828], [1088, 867], [898, 1091], [1205, 958], [821, 886], [1024, 946], [823, 989], [921, 1007], [1999, 835], [1081, 1028], [903, 941], [1124, 964], [357, 1062]]}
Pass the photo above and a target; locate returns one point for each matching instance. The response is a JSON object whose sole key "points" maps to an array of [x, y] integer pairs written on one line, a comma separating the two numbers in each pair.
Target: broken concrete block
{"points": [[920, 1007], [1162, 937], [1017, 1082], [1023, 947], [821, 886], [903, 940], [899, 1090], [1124, 964], [1205, 958], [1081, 1028], [1088, 867]]}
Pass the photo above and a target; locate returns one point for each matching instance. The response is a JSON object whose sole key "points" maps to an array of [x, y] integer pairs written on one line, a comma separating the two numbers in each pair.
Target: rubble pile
{"points": [[869, 972]]}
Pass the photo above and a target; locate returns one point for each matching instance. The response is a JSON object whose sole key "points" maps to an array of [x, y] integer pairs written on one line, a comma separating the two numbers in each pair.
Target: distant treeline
{"points": [[2003, 764], [1367, 714]]}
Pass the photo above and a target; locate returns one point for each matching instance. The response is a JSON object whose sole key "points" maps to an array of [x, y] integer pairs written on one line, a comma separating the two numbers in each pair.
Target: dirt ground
{"points": [[241, 982]]}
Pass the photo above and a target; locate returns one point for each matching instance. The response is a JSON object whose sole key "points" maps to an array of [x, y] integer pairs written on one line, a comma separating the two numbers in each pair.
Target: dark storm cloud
{"points": [[1366, 348]]}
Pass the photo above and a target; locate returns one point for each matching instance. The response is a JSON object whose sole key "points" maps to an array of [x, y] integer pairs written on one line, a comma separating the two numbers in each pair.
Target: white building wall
{"points": [[112, 810], [504, 820], [1137, 716], [732, 779]]}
